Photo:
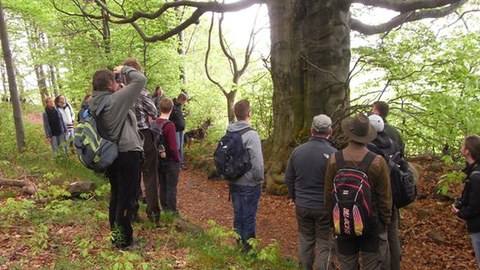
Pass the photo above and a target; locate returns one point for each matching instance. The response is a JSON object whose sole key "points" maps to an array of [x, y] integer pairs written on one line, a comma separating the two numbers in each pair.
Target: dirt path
{"points": [[200, 200]]}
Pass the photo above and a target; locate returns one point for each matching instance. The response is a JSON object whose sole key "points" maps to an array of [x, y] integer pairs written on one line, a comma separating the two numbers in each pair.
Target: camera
{"points": [[119, 78], [458, 203]]}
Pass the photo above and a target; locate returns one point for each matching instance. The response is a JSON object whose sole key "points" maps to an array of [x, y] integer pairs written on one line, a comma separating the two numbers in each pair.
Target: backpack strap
{"points": [[366, 161], [340, 160]]}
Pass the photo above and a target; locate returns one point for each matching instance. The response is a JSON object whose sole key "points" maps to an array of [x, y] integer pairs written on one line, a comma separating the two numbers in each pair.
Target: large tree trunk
{"points": [[310, 55]]}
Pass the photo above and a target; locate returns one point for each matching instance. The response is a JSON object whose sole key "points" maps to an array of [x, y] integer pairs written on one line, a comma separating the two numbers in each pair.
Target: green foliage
{"points": [[38, 242], [449, 179], [431, 82]]}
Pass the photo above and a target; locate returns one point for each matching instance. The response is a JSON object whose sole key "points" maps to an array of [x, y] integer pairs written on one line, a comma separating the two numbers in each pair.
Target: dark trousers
{"points": [[150, 174], [124, 181], [245, 205], [168, 173], [315, 238]]}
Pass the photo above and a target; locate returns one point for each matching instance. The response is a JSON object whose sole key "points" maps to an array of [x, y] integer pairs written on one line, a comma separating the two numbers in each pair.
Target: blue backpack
{"points": [[93, 150], [231, 158]]}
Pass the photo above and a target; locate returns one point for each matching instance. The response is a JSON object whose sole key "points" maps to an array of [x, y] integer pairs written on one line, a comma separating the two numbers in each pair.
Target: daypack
{"points": [[93, 150], [231, 158], [158, 139], [352, 208], [402, 181]]}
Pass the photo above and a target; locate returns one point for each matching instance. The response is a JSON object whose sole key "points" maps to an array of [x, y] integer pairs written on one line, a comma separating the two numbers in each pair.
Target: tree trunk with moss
{"points": [[310, 56]]}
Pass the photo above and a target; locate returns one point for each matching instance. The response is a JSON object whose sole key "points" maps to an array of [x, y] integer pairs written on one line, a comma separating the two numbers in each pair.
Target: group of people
{"points": [[310, 178], [58, 122]]}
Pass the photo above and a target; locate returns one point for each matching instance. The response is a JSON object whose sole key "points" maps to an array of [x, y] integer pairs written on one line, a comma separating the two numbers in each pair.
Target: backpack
{"points": [[231, 158], [402, 181], [352, 208], [93, 150], [158, 140]]}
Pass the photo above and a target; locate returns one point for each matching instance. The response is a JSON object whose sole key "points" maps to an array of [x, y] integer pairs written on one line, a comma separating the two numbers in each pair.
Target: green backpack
{"points": [[93, 150]]}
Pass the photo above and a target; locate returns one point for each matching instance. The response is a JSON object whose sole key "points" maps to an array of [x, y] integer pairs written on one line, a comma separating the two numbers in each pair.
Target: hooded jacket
{"points": [[252, 144], [118, 111], [470, 201]]}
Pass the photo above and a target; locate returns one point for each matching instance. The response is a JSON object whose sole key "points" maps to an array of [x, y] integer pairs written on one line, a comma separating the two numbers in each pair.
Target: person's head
{"points": [[49, 103], [132, 62], [242, 110], [158, 91], [321, 126], [60, 101], [104, 80], [471, 148], [377, 122], [182, 98], [165, 105], [380, 108], [358, 129]]}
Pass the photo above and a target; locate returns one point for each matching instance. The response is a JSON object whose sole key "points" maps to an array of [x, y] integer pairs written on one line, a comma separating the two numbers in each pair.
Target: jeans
{"points": [[168, 173], [315, 234], [124, 181], [476, 246], [58, 141], [245, 205], [179, 138], [150, 175]]}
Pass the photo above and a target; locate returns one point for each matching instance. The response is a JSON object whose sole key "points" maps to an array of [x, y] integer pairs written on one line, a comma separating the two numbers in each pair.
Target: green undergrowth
{"points": [[55, 231]]}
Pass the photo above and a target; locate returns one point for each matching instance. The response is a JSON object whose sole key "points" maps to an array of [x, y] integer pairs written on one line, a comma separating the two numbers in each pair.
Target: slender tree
{"points": [[310, 56], [12, 84]]}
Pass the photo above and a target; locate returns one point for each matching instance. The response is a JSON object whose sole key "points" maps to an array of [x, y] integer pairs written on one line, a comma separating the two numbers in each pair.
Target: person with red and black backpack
{"points": [[168, 156], [358, 196]]}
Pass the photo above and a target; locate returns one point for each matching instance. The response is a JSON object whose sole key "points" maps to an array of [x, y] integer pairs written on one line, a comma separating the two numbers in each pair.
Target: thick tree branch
{"points": [[207, 55], [408, 15], [403, 6]]}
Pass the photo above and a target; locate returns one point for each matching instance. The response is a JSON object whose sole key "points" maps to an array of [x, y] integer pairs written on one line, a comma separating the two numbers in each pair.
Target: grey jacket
{"points": [[252, 144], [118, 110], [305, 173]]}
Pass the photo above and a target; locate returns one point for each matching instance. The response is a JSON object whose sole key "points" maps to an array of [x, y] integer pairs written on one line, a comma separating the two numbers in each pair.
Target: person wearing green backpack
{"points": [[120, 125]]}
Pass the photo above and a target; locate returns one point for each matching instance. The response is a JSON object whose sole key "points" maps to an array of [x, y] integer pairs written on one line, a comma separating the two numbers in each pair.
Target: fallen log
{"points": [[27, 186]]}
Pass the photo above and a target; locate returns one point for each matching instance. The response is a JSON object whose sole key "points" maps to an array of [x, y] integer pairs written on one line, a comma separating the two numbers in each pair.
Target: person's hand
{"points": [[454, 209], [49, 139], [118, 69]]}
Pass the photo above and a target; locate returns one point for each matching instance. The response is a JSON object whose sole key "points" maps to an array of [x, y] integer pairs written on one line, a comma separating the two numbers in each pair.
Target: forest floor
{"points": [[432, 236]]}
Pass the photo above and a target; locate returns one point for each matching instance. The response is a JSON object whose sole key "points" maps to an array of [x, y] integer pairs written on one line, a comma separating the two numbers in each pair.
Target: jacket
{"points": [[46, 124], [378, 177], [470, 200], [118, 111], [305, 173], [145, 108], [252, 144], [177, 116], [394, 134]]}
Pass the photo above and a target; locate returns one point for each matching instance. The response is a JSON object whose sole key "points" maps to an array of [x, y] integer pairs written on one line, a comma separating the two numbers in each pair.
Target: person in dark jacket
{"points": [[304, 178], [384, 146], [55, 128], [178, 119], [382, 109], [468, 207]]}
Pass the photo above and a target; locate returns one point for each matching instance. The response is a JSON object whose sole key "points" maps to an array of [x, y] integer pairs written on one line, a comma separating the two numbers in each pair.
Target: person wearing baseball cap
{"points": [[304, 178]]}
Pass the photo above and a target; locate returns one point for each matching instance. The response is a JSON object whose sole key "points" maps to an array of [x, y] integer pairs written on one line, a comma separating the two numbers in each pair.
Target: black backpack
{"points": [[402, 181], [93, 150], [158, 140], [231, 158], [352, 208]]}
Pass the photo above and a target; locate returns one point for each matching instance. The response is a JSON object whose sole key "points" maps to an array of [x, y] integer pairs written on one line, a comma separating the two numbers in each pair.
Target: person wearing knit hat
{"points": [[372, 246], [304, 178]]}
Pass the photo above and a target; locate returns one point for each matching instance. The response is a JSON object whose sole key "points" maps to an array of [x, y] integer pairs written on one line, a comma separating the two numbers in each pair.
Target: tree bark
{"points": [[310, 55], [12, 84]]}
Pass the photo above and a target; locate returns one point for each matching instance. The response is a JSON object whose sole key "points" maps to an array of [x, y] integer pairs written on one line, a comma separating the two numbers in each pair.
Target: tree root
{"points": [[27, 186]]}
